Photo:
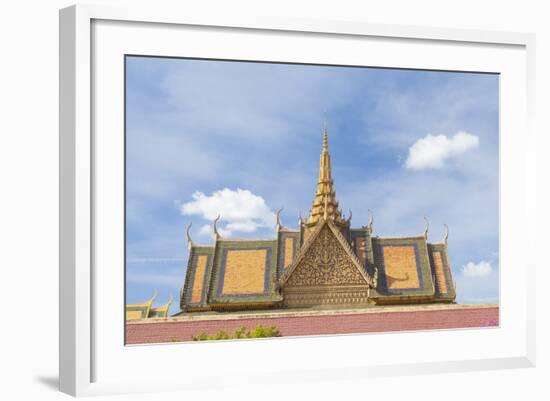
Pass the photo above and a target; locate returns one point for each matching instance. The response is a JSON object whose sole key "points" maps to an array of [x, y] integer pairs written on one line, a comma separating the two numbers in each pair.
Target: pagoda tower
{"points": [[325, 205]]}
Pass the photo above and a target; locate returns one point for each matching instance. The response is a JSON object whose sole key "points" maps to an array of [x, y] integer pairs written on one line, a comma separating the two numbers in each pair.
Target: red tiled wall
{"points": [[140, 333]]}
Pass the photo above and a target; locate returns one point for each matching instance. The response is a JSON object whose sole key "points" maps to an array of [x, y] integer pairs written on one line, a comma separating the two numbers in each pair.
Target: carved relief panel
{"points": [[326, 262]]}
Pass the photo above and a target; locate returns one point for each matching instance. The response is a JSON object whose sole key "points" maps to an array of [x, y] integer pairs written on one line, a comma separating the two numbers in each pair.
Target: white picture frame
{"points": [[80, 209]]}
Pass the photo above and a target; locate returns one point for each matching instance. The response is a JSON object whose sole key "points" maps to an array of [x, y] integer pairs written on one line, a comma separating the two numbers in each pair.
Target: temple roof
{"points": [[161, 311], [252, 273], [145, 310]]}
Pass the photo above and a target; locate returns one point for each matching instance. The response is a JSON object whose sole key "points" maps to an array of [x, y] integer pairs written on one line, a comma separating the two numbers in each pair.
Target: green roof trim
{"points": [[194, 253], [450, 295]]}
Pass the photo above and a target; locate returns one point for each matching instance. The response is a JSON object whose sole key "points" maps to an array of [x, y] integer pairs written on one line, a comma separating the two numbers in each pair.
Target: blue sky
{"points": [[243, 139]]}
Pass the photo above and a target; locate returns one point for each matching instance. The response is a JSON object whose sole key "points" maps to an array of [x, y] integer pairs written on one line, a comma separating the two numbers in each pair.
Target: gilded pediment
{"points": [[326, 261]]}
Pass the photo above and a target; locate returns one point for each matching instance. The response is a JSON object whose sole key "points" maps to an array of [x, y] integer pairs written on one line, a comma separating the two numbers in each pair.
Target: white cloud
{"points": [[242, 226], [240, 210], [433, 151], [480, 269], [206, 229]]}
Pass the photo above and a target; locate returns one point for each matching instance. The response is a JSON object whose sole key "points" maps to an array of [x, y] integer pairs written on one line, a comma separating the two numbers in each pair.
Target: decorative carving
{"points": [[326, 263], [332, 295]]}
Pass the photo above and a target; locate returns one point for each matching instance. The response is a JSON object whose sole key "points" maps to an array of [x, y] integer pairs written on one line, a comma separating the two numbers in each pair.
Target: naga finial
{"points": [[154, 296], [187, 232], [446, 235], [371, 220], [426, 228], [278, 224], [216, 233], [349, 218]]}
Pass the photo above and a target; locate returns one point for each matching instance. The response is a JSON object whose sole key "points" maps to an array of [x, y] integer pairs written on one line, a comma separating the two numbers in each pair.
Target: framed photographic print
{"points": [[291, 191]]}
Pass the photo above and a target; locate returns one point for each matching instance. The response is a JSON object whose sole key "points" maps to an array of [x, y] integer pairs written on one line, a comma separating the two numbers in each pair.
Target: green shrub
{"points": [[264, 332], [258, 332], [221, 335], [240, 333], [201, 337]]}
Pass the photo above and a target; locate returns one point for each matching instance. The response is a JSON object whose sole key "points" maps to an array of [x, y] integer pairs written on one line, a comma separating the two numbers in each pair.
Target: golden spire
{"points": [[325, 140], [325, 204]]}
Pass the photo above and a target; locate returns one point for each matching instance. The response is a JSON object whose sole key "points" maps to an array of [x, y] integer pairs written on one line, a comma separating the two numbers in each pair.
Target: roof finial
{"points": [[279, 225], [300, 218], [371, 220], [216, 233], [154, 296], [349, 218], [446, 235], [426, 228], [189, 240]]}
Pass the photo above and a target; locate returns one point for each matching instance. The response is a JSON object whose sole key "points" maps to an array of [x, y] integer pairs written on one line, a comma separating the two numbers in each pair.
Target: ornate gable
{"points": [[325, 272], [326, 261]]}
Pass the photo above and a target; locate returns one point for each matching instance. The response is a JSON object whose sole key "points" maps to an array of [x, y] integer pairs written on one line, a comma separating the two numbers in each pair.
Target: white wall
{"points": [[29, 185]]}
